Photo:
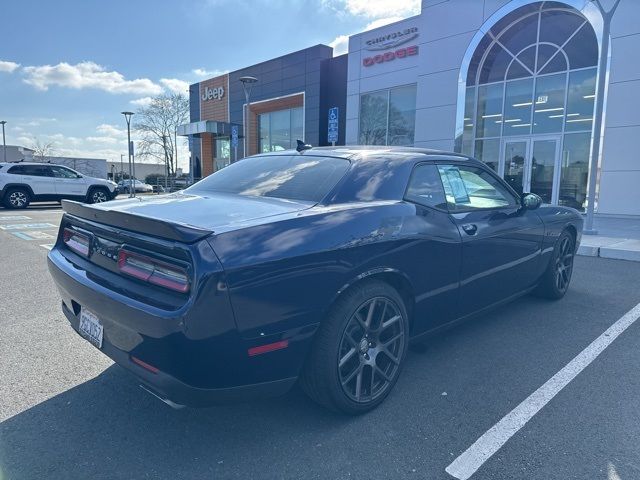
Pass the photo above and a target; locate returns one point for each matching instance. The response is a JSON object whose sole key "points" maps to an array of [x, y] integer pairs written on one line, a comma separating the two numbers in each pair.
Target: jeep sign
{"points": [[213, 93]]}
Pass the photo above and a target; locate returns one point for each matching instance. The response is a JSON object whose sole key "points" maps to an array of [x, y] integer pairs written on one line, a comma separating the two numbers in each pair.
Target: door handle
{"points": [[470, 228]]}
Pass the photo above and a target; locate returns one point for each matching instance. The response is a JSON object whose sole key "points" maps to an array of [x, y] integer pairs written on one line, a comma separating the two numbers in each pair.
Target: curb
{"points": [[622, 250]]}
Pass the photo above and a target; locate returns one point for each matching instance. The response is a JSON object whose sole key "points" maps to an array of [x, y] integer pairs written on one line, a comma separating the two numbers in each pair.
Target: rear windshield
{"points": [[294, 177]]}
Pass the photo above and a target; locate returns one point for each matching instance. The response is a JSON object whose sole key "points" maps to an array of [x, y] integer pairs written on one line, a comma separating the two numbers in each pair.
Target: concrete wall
{"points": [[620, 170]]}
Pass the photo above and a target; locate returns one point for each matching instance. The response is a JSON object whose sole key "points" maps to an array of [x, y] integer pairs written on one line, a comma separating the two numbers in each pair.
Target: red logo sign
{"points": [[388, 56]]}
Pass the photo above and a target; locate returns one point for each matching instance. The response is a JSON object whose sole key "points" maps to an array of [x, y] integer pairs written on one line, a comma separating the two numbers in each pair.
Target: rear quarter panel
{"points": [[556, 219], [285, 275]]}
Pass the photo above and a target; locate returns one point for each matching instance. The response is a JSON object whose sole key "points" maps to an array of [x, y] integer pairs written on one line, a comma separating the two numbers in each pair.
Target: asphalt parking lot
{"points": [[67, 412]]}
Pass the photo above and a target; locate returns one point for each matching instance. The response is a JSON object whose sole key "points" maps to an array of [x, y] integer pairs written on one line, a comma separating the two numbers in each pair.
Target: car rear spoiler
{"points": [[137, 223]]}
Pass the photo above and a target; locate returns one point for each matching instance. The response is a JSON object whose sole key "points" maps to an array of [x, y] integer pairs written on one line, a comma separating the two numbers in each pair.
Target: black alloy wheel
{"points": [[555, 281], [372, 345], [564, 263], [359, 349]]}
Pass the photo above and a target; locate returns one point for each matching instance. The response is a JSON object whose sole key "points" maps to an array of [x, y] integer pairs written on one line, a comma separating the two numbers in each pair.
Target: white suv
{"points": [[23, 183]]}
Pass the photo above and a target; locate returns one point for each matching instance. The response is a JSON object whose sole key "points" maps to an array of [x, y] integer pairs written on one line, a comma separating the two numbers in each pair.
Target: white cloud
{"points": [[87, 75], [175, 85], [380, 22], [9, 67], [102, 140], [375, 8], [201, 72], [340, 44], [106, 130], [142, 102]]}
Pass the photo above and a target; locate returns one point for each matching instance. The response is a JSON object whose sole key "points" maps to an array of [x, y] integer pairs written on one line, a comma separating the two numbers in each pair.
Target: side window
{"points": [[16, 170], [61, 172], [425, 187], [42, 171], [468, 188]]}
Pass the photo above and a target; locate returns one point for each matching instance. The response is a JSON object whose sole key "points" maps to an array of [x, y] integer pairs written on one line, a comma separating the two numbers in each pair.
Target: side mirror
{"points": [[530, 201]]}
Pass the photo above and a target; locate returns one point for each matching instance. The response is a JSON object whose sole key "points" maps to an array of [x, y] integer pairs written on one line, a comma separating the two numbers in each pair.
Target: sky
{"points": [[69, 67]]}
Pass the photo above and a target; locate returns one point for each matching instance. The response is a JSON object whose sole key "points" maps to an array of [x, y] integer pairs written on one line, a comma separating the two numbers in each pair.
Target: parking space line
{"points": [[493, 439]]}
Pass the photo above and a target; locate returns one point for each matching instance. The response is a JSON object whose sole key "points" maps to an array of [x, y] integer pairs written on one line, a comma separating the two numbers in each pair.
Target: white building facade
{"points": [[513, 83]]}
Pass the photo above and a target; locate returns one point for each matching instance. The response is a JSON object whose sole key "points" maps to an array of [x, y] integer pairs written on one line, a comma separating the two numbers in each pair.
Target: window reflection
{"points": [[280, 130], [549, 103], [489, 110], [574, 170], [580, 102], [517, 107], [488, 151], [387, 117]]}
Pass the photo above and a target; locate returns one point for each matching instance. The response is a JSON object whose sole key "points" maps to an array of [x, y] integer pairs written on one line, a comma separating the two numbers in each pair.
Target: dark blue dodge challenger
{"points": [[316, 266]]}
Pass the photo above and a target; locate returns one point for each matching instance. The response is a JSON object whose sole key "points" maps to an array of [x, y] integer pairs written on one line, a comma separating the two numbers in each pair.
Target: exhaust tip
{"points": [[175, 406]]}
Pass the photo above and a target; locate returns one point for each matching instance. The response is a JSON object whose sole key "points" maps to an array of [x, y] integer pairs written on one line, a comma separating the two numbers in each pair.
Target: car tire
{"points": [[555, 281], [359, 350], [17, 198], [98, 195]]}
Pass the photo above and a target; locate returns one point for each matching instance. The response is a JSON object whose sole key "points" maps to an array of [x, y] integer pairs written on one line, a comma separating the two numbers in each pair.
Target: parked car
{"points": [[316, 267], [23, 183], [138, 186], [158, 189]]}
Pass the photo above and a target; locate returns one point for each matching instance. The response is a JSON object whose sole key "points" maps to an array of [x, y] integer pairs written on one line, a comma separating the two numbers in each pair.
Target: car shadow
{"points": [[108, 427]]}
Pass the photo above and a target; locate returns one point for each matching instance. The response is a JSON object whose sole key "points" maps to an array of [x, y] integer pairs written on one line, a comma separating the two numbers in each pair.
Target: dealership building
{"points": [[288, 102], [514, 83]]}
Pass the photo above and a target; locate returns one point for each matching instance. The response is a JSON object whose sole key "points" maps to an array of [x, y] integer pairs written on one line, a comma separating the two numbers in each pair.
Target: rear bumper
{"points": [[200, 359], [173, 391]]}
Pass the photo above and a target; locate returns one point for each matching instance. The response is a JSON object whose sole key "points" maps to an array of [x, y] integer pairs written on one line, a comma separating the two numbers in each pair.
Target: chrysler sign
{"points": [[215, 93], [393, 39]]}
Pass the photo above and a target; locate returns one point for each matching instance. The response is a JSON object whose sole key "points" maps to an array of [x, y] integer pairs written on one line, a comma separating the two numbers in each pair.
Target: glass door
{"points": [[545, 153], [515, 163], [531, 164]]}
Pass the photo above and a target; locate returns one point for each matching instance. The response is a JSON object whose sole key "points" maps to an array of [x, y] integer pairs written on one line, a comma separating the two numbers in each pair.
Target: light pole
{"points": [[121, 168], [4, 143], [127, 116], [247, 85], [166, 160], [598, 113]]}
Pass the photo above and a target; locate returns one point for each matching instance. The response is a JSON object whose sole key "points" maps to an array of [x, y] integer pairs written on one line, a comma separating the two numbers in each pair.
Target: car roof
{"points": [[373, 152], [4, 164]]}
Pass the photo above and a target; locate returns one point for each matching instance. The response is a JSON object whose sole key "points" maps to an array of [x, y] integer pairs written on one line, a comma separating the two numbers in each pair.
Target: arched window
{"points": [[533, 74]]}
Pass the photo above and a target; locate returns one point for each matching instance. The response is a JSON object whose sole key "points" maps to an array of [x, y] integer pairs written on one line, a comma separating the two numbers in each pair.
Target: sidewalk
{"points": [[617, 238]]}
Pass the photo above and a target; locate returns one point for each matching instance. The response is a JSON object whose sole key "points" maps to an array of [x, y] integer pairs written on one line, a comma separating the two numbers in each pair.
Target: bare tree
{"points": [[156, 126], [43, 151]]}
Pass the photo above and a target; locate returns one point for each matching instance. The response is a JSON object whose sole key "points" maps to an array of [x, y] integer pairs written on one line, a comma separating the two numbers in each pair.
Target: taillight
{"points": [[76, 241], [153, 271]]}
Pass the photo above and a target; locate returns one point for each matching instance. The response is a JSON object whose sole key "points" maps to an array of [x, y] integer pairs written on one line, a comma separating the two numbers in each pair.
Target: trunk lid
{"points": [[185, 217]]}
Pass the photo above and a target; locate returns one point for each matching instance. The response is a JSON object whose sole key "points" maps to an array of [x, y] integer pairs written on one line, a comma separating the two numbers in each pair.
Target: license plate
{"points": [[90, 327]]}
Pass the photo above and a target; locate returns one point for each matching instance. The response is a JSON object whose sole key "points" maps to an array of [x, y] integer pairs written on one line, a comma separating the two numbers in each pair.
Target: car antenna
{"points": [[302, 146]]}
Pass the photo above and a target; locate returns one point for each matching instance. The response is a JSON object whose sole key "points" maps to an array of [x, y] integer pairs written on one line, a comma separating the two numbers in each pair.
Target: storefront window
{"points": [[489, 110], [580, 102], [517, 107], [530, 89], [223, 152], [549, 104], [574, 170], [387, 117], [280, 130], [488, 151]]}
